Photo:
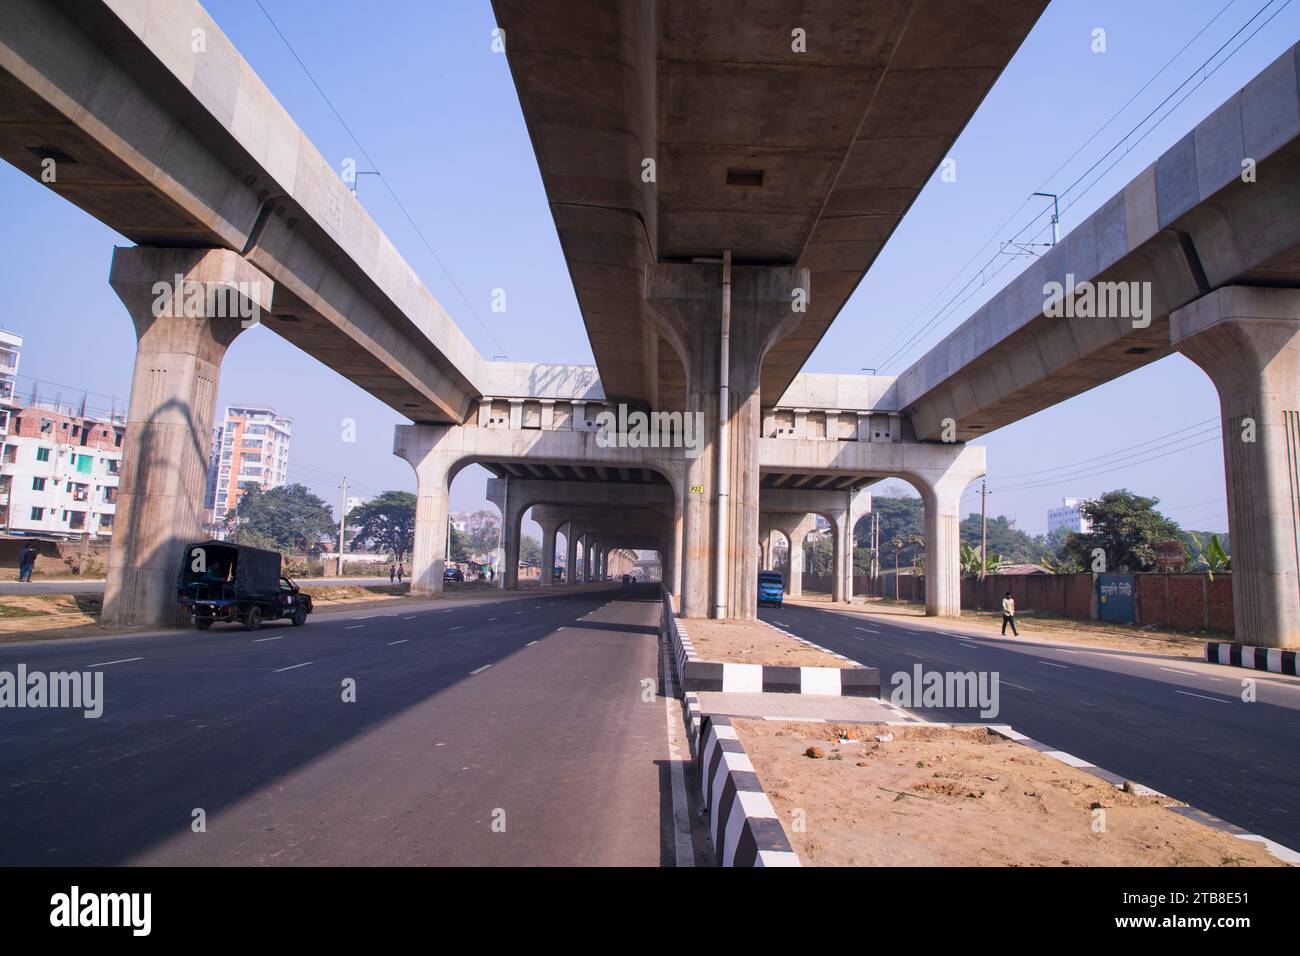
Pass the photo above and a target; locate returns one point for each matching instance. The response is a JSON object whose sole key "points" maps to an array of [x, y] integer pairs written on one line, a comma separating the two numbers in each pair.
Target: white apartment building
{"points": [[1068, 515], [254, 450], [59, 472]]}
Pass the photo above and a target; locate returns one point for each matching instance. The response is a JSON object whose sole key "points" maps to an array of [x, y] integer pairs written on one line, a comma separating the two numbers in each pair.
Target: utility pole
{"points": [[343, 521], [984, 528]]}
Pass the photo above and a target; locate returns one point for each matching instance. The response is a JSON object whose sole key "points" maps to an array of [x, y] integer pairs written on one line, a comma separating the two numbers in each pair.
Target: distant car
{"points": [[453, 574], [771, 588]]}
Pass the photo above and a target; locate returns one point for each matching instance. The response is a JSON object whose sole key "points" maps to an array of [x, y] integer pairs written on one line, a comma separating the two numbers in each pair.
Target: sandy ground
{"points": [[750, 642], [963, 797], [1035, 629]]}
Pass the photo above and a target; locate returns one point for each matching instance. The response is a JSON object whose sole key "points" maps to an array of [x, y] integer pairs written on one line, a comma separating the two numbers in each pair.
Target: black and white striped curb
{"points": [[694, 717], [1273, 659], [817, 647], [1285, 854], [697, 675], [742, 821]]}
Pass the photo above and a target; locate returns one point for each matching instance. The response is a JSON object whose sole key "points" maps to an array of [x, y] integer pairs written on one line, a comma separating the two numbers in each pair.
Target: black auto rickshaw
{"points": [[224, 582]]}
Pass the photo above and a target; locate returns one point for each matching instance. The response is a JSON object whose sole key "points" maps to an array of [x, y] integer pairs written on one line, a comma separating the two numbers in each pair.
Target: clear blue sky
{"points": [[435, 108]]}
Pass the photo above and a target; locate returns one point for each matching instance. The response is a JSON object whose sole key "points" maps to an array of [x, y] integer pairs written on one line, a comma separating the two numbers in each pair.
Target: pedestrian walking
{"points": [[1009, 615], [392, 572], [27, 562], [401, 572]]}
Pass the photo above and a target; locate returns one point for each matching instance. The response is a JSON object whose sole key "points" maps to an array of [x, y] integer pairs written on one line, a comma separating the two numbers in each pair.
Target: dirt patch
{"points": [[934, 796], [1050, 629], [46, 616], [751, 642]]}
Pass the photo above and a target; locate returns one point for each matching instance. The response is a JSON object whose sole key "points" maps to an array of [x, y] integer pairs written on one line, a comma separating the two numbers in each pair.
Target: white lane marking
{"points": [[1016, 686], [1174, 670], [972, 646], [869, 630], [1217, 700], [402, 641], [125, 660], [409, 617], [456, 628], [491, 619], [1054, 664], [530, 644], [292, 667], [353, 627], [683, 847], [479, 670], [259, 640], [519, 612]]}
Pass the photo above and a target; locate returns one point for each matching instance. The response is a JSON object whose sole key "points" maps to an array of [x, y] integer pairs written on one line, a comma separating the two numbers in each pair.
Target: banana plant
{"points": [[1212, 555]]}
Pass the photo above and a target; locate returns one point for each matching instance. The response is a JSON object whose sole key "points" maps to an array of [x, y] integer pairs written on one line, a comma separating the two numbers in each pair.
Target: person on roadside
{"points": [[401, 572], [392, 572], [1009, 615], [27, 562]]}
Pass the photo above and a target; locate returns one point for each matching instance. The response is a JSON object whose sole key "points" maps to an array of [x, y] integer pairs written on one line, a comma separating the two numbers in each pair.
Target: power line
{"points": [[383, 179], [902, 350], [1049, 179], [1119, 451], [1106, 469]]}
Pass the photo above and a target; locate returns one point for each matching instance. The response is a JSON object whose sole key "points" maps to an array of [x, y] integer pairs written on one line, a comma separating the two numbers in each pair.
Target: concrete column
{"points": [[943, 544], [795, 528], [512, 529], [842, 562], [687, 304], [604, 565], [181, 337], [422, 447], [1247, 340], [571, 566], [859, 503], [549, 530]]}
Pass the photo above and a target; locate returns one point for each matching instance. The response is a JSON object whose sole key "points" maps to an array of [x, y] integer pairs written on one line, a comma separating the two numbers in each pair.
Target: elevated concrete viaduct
{"points": [[1209, 236], [145, 116]]}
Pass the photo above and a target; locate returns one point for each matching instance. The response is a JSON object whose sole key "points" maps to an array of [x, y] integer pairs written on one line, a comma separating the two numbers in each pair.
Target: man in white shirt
{"points": [[1009, 615]]}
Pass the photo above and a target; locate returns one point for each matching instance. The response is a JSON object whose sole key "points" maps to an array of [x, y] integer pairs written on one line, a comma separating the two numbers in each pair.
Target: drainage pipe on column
{"points": [[723, 479]]}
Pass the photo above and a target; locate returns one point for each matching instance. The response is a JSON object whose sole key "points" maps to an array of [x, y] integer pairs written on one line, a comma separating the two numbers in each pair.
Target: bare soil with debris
{"points": [[935, 796], [752, 642]]}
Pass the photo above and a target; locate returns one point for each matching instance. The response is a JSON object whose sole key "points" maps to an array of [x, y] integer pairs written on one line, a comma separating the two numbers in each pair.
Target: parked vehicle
{"points": [[557, 573], [453, 574], [230, 583], [771, 588]]}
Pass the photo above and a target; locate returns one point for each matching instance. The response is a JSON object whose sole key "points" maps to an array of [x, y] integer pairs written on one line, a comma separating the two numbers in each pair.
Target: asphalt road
{"points": [[1173, 724], [96, 586], [508, 732]]}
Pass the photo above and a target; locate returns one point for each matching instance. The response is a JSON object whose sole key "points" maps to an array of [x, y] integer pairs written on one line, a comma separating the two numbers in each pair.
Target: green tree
{"points": [[459, 547], [901, 516], [483, 532], [1013, 545], [1126, 527], [530, 551], [386, 522], [289, 518]]}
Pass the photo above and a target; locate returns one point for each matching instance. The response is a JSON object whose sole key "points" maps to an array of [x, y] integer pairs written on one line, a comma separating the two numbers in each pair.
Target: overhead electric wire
{"points": [[1097, 459], [930, 325], [383, 179]]}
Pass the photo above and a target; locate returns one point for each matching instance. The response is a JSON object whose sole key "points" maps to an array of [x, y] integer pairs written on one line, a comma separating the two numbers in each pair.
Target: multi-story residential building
{"points": [[11, 347], [59, 471], [253, 449], [1069, 515]]}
